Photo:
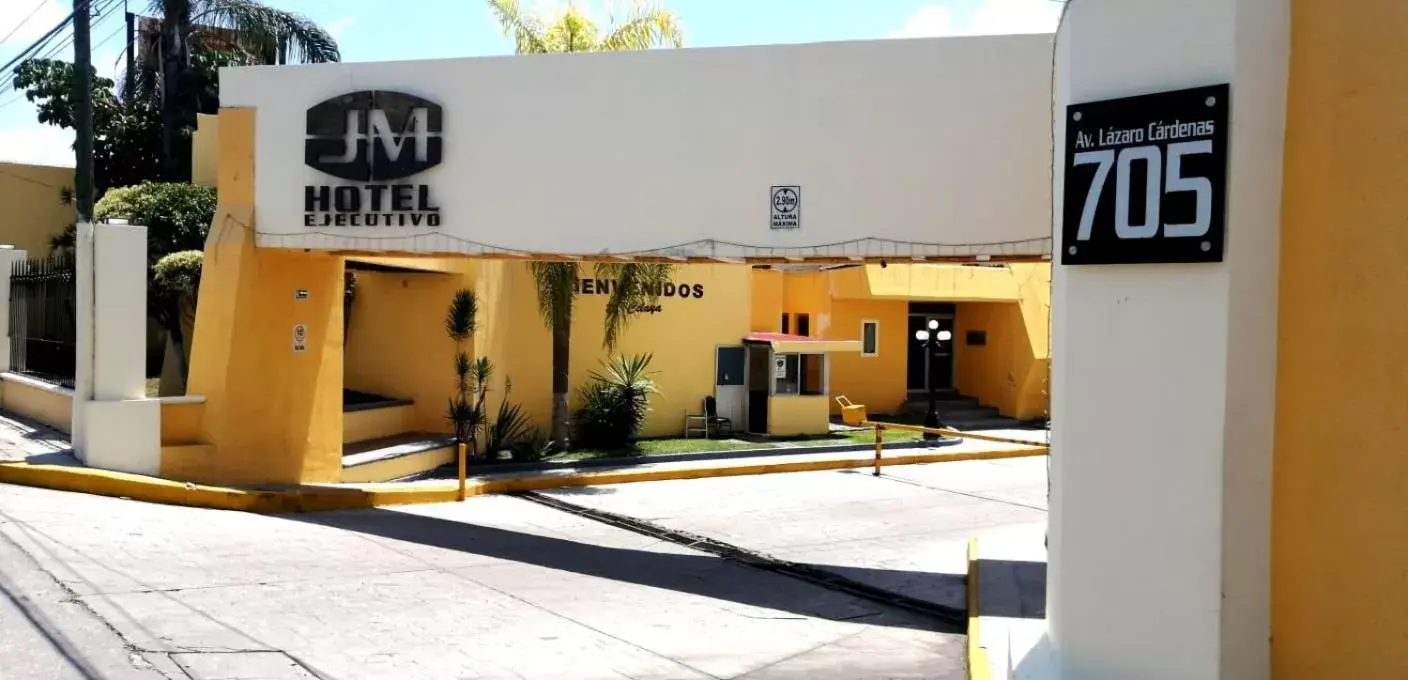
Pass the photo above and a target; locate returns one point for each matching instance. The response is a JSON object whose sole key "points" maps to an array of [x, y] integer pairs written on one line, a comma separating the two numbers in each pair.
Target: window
{"points": [[786, 328], [977, 338], [803, 374], [870, 338], [804, 325]]}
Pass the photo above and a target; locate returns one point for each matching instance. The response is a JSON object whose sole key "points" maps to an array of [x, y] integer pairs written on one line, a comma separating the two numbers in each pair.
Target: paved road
{"points": [[906, 531], [496, 587]]}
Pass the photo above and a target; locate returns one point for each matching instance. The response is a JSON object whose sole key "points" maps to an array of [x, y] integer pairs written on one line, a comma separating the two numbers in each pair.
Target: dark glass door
{"points": [[916, 365], [935, 367], [941, 360]]}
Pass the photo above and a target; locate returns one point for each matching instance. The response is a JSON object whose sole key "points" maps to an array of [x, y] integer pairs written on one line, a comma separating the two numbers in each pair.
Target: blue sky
{"points": [[376, 30]]}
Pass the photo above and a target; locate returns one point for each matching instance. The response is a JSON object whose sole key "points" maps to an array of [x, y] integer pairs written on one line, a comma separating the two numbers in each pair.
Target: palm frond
{"points": [[556, 283], [264, 31], [527, 32], [637, 285], [646, 27], [461, 320]]}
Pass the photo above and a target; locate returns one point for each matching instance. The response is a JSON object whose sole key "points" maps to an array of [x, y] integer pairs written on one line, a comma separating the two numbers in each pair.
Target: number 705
{"points": [[1154, 186]]}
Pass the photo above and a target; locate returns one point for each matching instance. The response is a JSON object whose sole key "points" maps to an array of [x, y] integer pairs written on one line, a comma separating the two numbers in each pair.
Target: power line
{"points": [[33, 51], [24, 21], [36, 45]]}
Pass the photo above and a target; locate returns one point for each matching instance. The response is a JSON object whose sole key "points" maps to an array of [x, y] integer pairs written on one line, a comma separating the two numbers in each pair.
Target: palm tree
{"points": [[636, 284], [258, 33]]}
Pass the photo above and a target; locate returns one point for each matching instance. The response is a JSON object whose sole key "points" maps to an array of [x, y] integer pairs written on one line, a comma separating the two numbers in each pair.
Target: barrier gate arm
{"points": [[854, 415]]}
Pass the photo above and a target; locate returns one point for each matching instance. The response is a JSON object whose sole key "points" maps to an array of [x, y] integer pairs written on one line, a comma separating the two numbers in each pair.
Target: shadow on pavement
{"points": [[1014, 589], [696, 574]]}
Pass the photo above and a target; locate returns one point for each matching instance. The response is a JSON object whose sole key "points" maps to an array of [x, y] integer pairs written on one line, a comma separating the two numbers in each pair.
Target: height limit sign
{"points": [[786, 207]]}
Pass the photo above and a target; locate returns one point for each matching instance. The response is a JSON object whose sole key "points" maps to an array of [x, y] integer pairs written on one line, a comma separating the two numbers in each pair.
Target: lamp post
{"points": [[931, 337]]}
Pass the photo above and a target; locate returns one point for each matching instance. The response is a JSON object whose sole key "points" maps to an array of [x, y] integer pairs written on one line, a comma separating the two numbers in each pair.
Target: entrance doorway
{"points": [[759, 387], [730, 388], [932, 368]]}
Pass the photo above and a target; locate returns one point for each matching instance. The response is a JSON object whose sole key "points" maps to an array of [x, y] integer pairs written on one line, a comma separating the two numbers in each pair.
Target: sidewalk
{"points": [[1007, 607], [46, 462]]}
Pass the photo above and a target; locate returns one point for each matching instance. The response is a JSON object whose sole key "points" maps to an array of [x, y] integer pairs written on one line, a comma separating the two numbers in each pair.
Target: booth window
{"points": [[786, 327], [804, 325], [870, 338], [805, 375]]}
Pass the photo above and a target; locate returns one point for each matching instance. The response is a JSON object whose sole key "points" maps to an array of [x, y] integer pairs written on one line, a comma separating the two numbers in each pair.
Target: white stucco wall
{"points": [[1163, 375], [114, 426], [931, 146], [8, 257]]}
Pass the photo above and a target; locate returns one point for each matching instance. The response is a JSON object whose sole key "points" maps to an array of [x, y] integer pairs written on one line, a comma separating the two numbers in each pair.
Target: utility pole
{"points": [[131, 76], [83, 109]]}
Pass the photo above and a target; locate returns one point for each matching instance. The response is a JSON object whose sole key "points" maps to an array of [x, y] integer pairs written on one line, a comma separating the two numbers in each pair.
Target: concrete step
{"points": [[976, 424], [394, 457]]}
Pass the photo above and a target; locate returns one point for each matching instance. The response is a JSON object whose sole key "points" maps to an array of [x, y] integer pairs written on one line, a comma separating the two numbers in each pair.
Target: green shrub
{"points": [[614, 404], [176, 215]]}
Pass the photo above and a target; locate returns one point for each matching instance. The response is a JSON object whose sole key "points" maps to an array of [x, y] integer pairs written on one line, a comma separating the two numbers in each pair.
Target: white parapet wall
{"points": [[1164, 374], [8, 257], [115, 426]]}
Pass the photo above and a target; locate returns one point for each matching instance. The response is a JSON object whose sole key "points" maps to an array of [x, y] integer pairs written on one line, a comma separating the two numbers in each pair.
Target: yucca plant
{"points": [[510, 425], [615, 403]]}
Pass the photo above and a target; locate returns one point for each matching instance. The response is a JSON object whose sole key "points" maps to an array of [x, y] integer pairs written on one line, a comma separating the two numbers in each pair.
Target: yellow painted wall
{"points": [[180, 424], [32, 213], [767, 303], [1010, 372], [1339, 558], [50, 407], [396, 341], [1011, 303], [682, 337], [205, 150], [790, 416], [878, 382], [272, 414], [808, 293]]}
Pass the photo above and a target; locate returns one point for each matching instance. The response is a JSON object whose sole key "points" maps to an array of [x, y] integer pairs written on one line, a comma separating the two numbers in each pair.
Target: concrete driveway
{"points": [[906, 531], [495, 587]]}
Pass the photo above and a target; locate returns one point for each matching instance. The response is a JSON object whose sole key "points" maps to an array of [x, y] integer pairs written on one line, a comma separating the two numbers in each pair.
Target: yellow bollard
{"points": [[879, 444], [460, 495]]}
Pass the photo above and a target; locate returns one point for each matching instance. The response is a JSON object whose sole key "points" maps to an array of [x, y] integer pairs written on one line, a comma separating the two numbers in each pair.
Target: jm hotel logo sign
{"points": [[371, 139]]}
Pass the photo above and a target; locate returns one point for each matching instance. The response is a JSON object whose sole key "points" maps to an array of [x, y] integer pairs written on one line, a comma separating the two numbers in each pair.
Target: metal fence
{"points": [[43, 327]]}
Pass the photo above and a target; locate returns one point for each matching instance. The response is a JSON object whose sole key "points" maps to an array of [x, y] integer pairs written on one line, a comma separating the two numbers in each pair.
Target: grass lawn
{"points": [[868, 437], [656, 447]]}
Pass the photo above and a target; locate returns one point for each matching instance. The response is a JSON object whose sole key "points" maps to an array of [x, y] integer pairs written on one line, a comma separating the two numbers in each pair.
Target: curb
{"points": [[978, 667], [321, 498], [730, 454]]}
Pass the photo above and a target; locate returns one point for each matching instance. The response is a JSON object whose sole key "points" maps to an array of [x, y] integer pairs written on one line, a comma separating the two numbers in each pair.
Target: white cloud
{"points": [[989, 17], [12, 12], [37, 144], [929, 21], [338, 27]]}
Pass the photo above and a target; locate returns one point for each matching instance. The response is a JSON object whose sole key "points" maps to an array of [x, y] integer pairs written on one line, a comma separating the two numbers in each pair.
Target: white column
{"points": [[8, 257], [1163, 375], [114, 425]]}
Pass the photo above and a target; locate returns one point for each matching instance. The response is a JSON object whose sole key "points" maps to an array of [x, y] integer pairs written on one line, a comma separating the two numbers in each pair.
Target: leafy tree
{"points": [[126, 135], [255, 33], [172, 299], [176, 215], [637, 284]]}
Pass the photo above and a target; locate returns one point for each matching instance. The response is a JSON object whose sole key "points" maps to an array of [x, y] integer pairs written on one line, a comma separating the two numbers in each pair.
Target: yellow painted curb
{"points": [[321, 498], [978, 667]]}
